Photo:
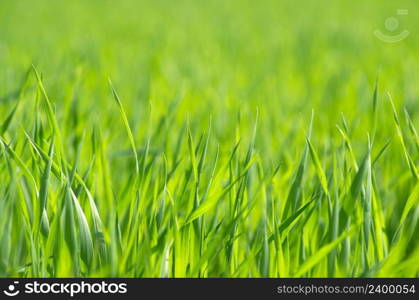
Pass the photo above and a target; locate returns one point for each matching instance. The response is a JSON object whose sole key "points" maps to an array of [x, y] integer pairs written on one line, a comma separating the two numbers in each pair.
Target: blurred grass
{"points": [[218, 97]]}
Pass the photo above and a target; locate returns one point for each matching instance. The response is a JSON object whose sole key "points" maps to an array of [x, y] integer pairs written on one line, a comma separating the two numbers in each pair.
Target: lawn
{"points": [[209, 138]]}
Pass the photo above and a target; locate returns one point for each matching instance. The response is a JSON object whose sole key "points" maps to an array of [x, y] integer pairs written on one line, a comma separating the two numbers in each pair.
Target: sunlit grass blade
{"points": [[319, 170], [409, 160], [323, 251], [127, 127]]}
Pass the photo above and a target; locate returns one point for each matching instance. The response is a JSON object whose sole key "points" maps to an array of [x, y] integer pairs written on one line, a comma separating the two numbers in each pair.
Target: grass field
{"points": [[208, 139]]}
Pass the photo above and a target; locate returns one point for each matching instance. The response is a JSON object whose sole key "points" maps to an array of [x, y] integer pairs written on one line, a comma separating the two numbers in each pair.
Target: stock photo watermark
{"points": [[393, 32], [64, 288], [12, 290]]}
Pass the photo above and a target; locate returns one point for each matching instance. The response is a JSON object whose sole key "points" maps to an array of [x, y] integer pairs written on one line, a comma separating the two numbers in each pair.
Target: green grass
{"points": [[216, 139]]}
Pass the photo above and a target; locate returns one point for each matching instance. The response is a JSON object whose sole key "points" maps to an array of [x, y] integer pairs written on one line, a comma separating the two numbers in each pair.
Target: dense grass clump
{"points": [[216, 139]]}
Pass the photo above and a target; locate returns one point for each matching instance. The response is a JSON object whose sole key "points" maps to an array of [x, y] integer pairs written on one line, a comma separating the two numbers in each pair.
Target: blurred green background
{"points": [[283, 58], [286, 56]]}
